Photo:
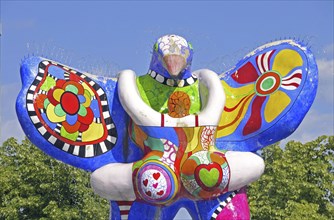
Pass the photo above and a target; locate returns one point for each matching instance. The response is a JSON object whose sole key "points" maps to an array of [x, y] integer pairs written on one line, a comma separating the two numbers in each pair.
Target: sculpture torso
{"points": [[178, 98], [192, 159]]}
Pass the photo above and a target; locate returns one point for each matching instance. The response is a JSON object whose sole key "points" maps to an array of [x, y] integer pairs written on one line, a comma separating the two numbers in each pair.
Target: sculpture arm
{"points": [[144, 115]]}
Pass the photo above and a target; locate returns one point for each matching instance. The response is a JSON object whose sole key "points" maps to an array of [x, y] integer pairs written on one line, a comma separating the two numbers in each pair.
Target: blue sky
{"points": [[104, 37]]}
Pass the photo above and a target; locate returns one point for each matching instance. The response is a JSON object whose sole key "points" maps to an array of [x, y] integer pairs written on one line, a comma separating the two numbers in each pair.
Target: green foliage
{"points": [[297, 182], [35, 186]]}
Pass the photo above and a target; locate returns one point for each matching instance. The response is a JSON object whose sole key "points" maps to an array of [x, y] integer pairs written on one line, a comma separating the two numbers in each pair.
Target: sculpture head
{"points": [[171, 57]]}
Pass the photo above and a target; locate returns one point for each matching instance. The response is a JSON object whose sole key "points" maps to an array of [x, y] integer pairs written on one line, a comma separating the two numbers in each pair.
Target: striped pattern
{"points": [[81, 149], [124, 208], [222, 205], [292, 81], [171, 82], [263, 61]]}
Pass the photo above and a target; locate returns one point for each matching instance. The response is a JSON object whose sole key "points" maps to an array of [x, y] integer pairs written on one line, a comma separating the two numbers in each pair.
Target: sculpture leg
{"points": [[114, 182], [119, 210], [245, 168]]}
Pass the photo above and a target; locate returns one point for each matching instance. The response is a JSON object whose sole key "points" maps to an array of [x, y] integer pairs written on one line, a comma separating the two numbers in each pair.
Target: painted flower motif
{"points": [[266, 90], [179, 104], [70, 104]]}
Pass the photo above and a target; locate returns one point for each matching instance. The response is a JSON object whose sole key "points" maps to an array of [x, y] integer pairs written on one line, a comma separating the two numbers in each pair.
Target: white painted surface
{"points": [[245, 168], [114, 182], [144, 115]]}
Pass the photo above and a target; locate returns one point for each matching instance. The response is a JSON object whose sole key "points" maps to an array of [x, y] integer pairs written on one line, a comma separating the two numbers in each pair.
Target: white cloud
{"points": [[314, 125], [326, 81], [329, 50], [325, 68]]}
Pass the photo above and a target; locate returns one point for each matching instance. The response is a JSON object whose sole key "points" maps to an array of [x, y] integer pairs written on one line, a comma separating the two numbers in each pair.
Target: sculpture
{"points": [[170, 138]]}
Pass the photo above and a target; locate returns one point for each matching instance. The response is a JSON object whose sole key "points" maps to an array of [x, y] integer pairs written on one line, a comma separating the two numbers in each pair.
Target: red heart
{"points": [[156, 176], [148, 193], [155, 185], [145, 182], [161, 192]]}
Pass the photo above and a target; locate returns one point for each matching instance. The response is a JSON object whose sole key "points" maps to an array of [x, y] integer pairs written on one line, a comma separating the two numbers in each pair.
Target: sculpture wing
{"points": [[73, 116], [268, 93]]}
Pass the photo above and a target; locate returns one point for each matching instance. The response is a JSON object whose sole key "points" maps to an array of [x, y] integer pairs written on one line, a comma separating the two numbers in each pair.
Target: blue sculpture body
{"points": [[169, 139]]}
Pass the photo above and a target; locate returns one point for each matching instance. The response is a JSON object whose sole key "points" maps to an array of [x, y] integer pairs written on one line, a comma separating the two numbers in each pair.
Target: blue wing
{"points": [[268, 93], [73, 116]]}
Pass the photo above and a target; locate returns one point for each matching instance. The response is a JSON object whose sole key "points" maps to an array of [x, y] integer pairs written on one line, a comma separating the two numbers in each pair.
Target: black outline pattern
{"points": [[84, 151], [223, 204], [171, 82]]}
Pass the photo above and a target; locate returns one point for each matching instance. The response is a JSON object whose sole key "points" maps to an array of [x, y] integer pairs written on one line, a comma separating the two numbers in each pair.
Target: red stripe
{"points": [[236, 106], [290, 84], [269, 58], [125, 212], [182, 147], [239, 114], [162, 120], [196, 120], [262, 62], [124, 203], [297, 75], [257, 62]]}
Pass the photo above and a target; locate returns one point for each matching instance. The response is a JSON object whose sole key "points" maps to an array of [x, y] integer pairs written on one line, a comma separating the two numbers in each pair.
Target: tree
{"points": [[35, 186], [297, 182]]}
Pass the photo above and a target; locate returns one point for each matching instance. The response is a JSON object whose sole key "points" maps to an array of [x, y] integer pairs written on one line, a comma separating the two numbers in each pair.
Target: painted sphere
{"points": [[156, 182], [205, 174]]}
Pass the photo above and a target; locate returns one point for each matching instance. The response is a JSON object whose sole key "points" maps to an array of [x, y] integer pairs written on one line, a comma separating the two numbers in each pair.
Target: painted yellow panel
{"points": [[237, 93], [286, 60], [50, 112], [57, 94], [277, 102], [86, 87], [192, 138], [229, 121], [94, 132]]}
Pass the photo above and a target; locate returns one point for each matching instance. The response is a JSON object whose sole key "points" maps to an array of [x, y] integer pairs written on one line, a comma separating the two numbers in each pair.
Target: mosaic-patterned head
{"points": [[172, 56]]}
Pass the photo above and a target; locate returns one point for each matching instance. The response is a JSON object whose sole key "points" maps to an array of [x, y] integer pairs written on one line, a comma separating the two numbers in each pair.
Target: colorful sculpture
{"points": [[171, 138]]}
